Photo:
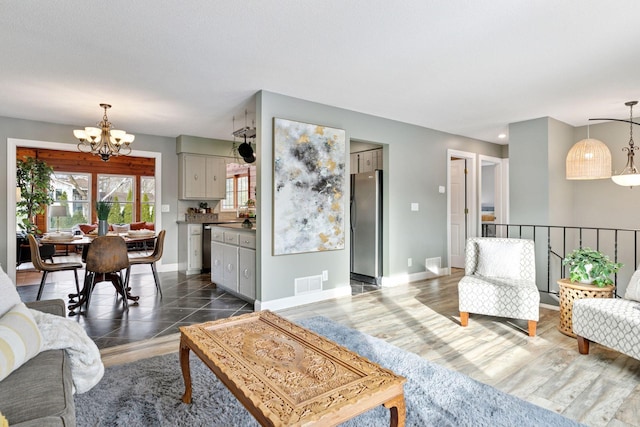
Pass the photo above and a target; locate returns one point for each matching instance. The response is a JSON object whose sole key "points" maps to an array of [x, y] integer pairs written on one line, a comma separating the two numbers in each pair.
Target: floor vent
{"points": [[433, 265], [305, 285]]}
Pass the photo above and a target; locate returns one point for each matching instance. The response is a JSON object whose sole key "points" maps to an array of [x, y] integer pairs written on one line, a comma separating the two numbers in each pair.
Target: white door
{"points": [[458, 212]]}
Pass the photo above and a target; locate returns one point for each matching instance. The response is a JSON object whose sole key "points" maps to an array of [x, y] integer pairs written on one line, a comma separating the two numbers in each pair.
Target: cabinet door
{"points": [[367, 163], [194, 176], [247, 273], [194, 260], [217, 263], [216, 178], [230, 270], [354, 163]]}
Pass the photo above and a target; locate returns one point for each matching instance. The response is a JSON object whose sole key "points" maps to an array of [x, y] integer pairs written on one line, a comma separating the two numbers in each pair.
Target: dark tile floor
{"points": [[186, 300]]}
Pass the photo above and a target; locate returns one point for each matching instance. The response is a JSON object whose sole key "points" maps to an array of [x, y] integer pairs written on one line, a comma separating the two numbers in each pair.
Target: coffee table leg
{"points": [[398, 410], [186, 371]]}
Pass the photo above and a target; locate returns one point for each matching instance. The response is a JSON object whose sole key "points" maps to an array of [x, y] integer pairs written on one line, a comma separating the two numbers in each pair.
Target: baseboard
{"points": [[401, 279], [282, 303]]}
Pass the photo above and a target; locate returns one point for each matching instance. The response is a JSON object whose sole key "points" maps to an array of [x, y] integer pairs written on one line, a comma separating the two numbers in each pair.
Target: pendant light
{"points": [[629, 177], [588, 159]]}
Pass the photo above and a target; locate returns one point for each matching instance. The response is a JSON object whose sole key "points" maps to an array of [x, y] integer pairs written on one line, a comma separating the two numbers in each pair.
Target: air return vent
{"points": [[305, 285]]}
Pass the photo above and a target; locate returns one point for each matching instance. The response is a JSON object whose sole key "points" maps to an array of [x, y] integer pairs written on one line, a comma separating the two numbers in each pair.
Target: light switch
{"points": [[441, 189], [415, 207], [165, 208]]}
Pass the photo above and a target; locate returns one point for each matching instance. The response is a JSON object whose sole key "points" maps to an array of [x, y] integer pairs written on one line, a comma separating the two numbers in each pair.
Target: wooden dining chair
{"points": [[47, 268], [151, 260], [106, 258]]}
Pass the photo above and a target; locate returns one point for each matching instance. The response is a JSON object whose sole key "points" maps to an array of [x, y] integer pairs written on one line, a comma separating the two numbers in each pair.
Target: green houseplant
{"points": [[103, 208], [588, 265], [34, 180]]}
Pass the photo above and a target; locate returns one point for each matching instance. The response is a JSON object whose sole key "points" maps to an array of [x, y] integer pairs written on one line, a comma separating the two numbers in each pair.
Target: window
{"points": [[119, 190], [147, 199], [72, 190], [240, 185]]}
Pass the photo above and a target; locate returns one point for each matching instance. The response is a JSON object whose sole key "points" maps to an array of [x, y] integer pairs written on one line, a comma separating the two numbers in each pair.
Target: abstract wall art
{"points": [[309, 187]]}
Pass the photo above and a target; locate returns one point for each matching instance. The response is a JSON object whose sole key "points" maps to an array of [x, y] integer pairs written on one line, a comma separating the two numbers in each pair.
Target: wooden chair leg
{"points": [[532, 328], [583, 345], [464, 318], [42, 282]]}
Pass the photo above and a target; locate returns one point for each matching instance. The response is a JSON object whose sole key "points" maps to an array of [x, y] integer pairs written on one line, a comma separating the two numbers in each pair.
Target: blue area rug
{"points": [[148, 392]]}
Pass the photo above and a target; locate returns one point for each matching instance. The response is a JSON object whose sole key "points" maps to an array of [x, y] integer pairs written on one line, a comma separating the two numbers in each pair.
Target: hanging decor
{"points": [[309, 187], [629, 177], [104, 141]]}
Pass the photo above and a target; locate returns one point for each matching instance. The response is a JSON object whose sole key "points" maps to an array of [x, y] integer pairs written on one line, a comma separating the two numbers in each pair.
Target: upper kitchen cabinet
{"points": [[201, 177]]}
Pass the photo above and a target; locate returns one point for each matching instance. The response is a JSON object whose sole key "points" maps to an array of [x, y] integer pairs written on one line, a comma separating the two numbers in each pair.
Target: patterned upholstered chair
{"points": [[612, 322], [500, 280]]}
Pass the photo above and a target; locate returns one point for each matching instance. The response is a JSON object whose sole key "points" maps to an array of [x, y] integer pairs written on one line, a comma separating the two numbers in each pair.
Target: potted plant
{"points": [[34, 180], [588, 265], [102, 211]]}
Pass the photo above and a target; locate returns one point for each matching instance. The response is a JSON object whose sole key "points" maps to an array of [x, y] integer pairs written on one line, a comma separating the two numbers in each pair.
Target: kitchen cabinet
{"points": [[190, 248], [366, 161], [201, 177], [233, 261]]}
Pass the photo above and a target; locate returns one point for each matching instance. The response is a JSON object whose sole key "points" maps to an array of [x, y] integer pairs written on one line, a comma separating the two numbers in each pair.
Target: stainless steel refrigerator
{"points": [[366, 226]]}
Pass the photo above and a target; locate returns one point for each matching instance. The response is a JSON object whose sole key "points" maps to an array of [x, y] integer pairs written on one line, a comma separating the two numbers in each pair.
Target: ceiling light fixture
{"points": [[104, 141], [629, 177], [588, 159]]}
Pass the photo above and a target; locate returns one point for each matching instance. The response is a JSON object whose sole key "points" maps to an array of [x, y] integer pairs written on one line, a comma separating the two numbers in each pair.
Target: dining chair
{"points": [[47, 268], [151, 260], [106, 258]]}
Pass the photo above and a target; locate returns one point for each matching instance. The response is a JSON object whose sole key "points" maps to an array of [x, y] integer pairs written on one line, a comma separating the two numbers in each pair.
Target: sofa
{"points": [[40, 392]]}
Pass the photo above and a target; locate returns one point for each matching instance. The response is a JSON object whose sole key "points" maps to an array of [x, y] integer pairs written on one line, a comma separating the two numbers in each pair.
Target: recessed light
{"points": [[502, 136]]}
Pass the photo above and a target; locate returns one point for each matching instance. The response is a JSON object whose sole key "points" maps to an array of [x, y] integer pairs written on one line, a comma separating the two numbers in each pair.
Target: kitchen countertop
{"points": [[235, 225]]}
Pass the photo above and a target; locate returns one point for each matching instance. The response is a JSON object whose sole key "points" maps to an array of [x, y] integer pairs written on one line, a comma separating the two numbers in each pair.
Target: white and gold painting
{"points": [[309, 187]]}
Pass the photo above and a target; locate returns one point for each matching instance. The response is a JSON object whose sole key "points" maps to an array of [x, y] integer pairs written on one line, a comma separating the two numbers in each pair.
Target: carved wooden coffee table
{"points": [[286, 375]]}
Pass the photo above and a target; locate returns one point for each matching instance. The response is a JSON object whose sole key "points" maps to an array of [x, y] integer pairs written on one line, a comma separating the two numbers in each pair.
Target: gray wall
{"points": [[51, 132], [415, 161]]}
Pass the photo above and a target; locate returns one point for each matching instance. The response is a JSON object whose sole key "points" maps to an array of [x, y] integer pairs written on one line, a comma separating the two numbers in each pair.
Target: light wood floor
{"points": [[600, 389]]}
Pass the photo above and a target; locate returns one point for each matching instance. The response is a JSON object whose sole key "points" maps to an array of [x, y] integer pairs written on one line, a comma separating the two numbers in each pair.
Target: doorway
{"points": [[461, 210], [493, 196], [12, 144]]}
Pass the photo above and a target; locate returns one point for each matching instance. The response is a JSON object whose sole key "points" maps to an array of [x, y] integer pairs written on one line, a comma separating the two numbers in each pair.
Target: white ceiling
{"points": [[469, 67]]}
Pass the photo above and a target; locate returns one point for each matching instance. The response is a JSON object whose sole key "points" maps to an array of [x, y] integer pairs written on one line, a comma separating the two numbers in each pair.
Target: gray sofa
{"points": [[39, 393]]}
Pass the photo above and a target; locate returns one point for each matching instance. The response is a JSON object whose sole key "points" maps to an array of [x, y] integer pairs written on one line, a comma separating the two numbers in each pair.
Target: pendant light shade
{"points": [[589, 159]]}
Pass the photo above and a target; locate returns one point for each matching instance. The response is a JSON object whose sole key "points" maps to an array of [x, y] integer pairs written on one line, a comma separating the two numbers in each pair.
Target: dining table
{"points": [[85, 241]]}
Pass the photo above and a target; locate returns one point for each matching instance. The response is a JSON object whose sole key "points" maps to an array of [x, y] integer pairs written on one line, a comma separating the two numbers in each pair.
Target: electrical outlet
{"points": [[325, 275], [409, 262], [165, 208]]}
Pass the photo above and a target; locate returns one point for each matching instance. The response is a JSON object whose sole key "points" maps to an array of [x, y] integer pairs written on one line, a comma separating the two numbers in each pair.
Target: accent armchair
{"points": [[500, 280]]}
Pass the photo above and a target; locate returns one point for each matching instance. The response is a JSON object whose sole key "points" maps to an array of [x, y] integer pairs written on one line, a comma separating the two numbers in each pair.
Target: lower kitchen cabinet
{"points": [[233, 262], [247, 272]]}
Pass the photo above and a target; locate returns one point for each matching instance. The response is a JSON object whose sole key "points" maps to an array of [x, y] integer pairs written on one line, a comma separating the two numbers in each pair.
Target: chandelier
{"points": [[630, 176], [104, 141]]}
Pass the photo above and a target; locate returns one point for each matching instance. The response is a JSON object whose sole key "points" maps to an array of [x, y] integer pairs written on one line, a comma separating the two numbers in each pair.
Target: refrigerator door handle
{"points": [[354, 216]]}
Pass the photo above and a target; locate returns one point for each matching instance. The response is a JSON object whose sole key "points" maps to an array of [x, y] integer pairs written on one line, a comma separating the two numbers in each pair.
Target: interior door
{"points": [[458, 212]]}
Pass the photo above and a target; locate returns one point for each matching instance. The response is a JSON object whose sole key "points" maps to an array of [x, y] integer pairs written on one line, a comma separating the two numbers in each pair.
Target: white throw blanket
{"points": [[59, 333]]}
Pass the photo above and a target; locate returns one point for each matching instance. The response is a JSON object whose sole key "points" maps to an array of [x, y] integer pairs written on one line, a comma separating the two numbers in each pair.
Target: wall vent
{"points": [[305, 285], [433, 265]]}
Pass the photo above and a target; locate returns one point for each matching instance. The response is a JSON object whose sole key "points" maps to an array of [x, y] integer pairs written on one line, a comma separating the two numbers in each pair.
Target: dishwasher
{"points": [[206, 248]]}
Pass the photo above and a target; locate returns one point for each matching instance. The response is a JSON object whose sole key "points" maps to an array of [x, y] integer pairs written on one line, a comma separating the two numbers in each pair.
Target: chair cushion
{"points": [[9, 293], [137, 225], [514, 298], [20, 339], [124, 228], [87, 228], [633, 288], [499, 258]]}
